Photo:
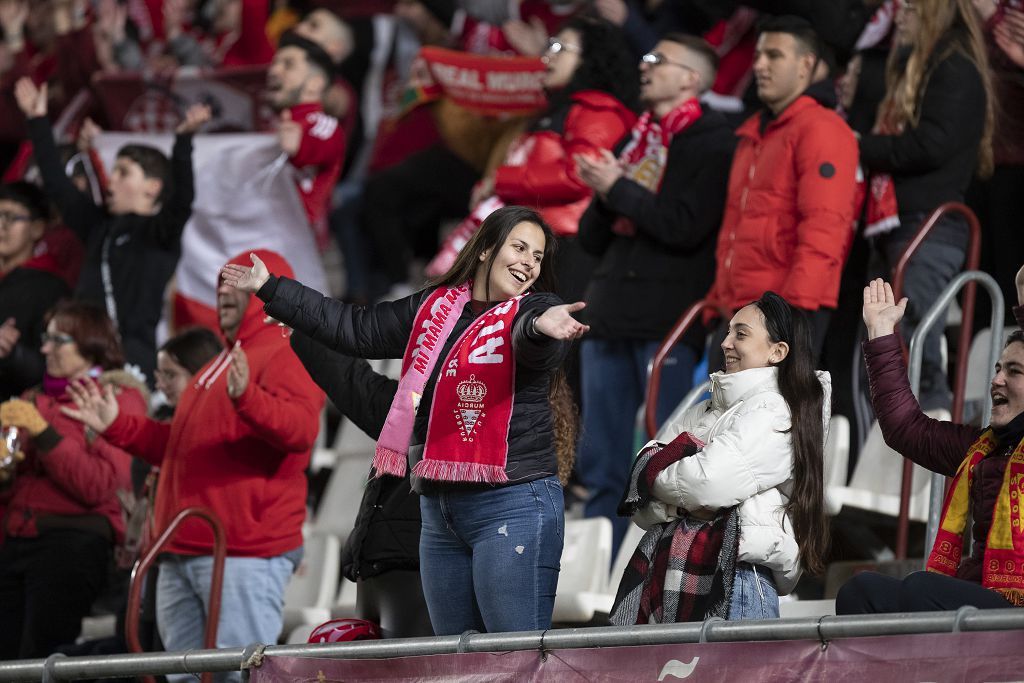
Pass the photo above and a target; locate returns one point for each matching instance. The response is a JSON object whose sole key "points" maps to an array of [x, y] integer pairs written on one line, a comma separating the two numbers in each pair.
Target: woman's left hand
{"points": [[24, 415], [557, 322]]}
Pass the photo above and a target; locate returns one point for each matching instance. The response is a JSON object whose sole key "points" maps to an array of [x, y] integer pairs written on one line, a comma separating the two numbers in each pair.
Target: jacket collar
{"points": [[751, 128], [726, 390]]}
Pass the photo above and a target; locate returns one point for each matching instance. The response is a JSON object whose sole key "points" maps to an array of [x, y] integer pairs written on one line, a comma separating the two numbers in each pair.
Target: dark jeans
{"points": [[933, 266], [47, 584], [871, 593]]}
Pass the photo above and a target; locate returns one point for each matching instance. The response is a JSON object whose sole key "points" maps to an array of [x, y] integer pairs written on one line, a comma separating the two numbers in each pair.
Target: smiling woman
{"points": [[982, 462], [481, 346]]}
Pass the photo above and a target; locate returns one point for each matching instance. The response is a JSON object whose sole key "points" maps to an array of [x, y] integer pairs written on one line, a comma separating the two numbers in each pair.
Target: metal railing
{"points": [[681, 327], [142, 567], [899, 274], [930, 319], [712, 631]]}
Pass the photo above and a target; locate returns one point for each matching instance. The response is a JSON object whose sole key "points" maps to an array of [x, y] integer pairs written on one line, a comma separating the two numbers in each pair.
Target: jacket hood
{"points": [[254, 319], [824, 93]]}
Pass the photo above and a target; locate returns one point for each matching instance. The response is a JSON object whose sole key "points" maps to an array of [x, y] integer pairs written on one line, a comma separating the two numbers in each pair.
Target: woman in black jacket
{"points": [[934, 130], [471, 411]]}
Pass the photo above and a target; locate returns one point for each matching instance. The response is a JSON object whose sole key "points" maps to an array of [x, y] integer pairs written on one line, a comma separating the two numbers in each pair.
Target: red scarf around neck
{"points": [[646, 154], [467, 433]]}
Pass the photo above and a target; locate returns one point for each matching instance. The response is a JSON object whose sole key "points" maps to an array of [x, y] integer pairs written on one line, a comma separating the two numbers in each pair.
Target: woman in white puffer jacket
{"points": [[764, 430]]}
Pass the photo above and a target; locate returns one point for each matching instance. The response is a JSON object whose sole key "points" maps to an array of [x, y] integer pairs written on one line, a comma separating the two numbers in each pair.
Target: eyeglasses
{"points": [[9, 217], [56, 339], [656, 59], [555, 46]]}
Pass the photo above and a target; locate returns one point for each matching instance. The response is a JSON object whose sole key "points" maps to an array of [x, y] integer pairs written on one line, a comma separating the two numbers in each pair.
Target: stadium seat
{"points": [[583, 580]]}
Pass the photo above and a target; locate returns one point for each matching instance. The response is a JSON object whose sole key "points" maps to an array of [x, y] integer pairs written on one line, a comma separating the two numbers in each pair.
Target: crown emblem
{"points": [[470, 390]]}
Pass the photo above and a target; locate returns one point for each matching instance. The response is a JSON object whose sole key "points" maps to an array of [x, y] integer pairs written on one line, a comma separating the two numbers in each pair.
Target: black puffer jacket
{"points": [[26, 294], [387, 529], [382, 331]]}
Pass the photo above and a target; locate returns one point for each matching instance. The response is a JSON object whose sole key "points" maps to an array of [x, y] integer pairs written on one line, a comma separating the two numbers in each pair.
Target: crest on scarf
{"points": [[469, 409]]}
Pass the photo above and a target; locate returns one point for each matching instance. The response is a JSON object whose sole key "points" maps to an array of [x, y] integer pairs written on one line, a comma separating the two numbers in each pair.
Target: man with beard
{"points": [[314, 141]]}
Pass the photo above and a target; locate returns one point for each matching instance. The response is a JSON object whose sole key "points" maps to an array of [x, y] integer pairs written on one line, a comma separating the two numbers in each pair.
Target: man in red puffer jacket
{"points": [[789, 211]]}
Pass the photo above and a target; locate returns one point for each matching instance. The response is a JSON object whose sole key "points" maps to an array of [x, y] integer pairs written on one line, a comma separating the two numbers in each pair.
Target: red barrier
{"points": [[142, 566], [899, 273]]}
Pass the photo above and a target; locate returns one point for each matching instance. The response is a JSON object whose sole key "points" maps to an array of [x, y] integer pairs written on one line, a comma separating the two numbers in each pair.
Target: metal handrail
{"points": [[933, 316], [824, 629], [899, 273], [143, 565], [681, 327]]}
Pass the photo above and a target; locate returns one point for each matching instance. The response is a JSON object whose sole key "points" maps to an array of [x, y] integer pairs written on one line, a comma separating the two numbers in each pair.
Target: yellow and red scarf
{"points": [[1003, 561]]}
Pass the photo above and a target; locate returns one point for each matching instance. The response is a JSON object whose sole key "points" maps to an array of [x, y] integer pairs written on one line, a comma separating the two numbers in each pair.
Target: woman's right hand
{"points": [[246, 279], [881, 312], [95, 409]]}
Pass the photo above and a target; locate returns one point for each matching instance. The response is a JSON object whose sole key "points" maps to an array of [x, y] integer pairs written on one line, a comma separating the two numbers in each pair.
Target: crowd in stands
{"points": [[523, 249]]}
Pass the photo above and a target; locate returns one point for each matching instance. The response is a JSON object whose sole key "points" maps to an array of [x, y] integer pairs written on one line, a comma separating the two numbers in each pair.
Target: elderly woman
{"points": [[62, 511]]}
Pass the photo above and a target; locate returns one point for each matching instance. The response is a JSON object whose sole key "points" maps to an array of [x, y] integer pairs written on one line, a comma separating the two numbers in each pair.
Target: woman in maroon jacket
{"points": [[62, 513], [986, 465]]}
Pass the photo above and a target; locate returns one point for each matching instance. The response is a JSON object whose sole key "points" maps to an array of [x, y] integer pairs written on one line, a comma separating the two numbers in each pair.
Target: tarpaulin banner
{"points": [[157, 103], [490, 85], [245, 199], [962, 657]]}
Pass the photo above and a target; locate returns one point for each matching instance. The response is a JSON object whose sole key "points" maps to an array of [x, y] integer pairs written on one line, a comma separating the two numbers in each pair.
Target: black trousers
{"points": [[47, 584], [394, 600], [871, 593]]}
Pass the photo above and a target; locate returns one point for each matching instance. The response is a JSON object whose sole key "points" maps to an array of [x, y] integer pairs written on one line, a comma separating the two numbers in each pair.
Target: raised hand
{"points": [[31, 100], [289, 134], [615, 11], [13, 15], [881, 312], [246, 279], [238, 372], [1009, 35], [557, 322], [527, 38], [94, 408], [195, 117]]}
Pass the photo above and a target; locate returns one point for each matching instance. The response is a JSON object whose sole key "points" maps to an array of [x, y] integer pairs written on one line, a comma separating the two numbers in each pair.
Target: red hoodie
{"points": [[244, 459]]}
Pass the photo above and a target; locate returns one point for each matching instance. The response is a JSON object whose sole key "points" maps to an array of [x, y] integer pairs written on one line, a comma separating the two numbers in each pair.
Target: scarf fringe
{"points": [[1014, 596], [447, 470], [387, 461]]}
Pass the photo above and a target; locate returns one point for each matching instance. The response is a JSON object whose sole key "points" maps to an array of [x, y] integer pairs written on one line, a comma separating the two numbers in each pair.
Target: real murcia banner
{"points": [[245, 199]]}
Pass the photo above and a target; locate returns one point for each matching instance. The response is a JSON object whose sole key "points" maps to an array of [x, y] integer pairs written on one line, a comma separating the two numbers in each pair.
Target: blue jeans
{"points": [[252, 600], [614, 381], [754, 595], [489, 559]]}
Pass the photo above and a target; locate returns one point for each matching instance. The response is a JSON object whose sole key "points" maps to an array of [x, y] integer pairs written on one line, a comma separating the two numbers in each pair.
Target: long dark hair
{"points": [[490, 237], [606, 62], [800, 387]]}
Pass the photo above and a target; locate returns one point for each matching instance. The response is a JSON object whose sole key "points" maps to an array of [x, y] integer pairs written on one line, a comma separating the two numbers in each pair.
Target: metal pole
{"points": [[804, 628], [930, 319]]}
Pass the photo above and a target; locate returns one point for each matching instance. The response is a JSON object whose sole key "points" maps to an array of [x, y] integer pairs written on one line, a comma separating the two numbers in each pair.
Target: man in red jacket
{"points": [[238, 445], [314, 141], [789, 210]]}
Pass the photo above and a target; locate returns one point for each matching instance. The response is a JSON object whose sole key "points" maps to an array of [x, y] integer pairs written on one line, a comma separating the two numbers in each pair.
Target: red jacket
{"points": [[788, 222], [318, 162], [74, 477], [539, 171], [244, 459]]}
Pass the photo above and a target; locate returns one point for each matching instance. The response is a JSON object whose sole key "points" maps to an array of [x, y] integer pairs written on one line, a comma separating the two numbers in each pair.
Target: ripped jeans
{"points": [[489, 558]]}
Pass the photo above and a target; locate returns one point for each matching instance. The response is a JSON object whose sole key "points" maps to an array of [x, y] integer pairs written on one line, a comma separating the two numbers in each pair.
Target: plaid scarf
{"points": [[682, 570]]}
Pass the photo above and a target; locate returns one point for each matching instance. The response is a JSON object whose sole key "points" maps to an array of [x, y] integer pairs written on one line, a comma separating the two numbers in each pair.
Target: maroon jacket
{"points": [[934, 444]]}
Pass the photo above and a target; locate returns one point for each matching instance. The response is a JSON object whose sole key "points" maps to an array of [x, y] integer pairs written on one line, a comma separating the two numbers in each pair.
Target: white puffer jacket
{"points": [[747, 461]]}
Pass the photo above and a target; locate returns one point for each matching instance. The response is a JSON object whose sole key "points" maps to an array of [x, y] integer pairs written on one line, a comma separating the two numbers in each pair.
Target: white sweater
{"points": [[747, 461]]}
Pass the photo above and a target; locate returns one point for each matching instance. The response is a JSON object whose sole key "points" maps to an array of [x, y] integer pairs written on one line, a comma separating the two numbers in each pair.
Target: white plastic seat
{"points": [[340, 503], [626, 549], [875, 484], [583, 580], [837, 459], [311, 591]]}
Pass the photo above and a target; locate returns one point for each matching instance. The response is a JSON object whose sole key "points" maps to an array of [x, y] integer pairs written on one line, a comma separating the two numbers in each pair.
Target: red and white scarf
{"points": [[467, 433], [644, 157], [881, 214]]}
